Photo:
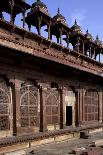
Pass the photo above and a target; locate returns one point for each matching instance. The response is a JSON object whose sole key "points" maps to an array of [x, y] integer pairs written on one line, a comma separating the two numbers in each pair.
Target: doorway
{"points": [[68, 115]]}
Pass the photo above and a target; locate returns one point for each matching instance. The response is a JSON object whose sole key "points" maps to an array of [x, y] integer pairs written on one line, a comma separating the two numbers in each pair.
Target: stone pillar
{"points": [[48, 26], [100, 107], [12, 16], [61, 37], [83, 47], [23, 14], [67, 40], [62, 108], [90, 49], [39, 26], [78, 44], [94, 54], [99, 57], [43, 126], [16, 105]]}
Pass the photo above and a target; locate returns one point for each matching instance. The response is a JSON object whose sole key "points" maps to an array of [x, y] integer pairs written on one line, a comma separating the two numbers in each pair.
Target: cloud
{"points": [[79, 15]]}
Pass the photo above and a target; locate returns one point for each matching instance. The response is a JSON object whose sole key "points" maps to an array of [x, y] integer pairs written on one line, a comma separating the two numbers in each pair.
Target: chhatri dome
{"points": [[39, 4], [59, 18], [88, 35], [76, 27], [98, 41]]}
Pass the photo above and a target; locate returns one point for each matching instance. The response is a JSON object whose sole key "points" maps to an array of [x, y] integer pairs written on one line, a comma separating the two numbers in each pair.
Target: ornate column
{"points": [[16, 104], [78, 44], [43, 126], [100, 106], [94, 54], [61, 36], [39, 25], [23, 14], [83, 47], [12, 16], [57, 40], [67, 40], [49, 27], [90, 49], [62, 108], [99, 57]]}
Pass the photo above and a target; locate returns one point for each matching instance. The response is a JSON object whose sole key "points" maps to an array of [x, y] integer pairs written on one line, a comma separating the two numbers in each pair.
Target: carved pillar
{"points": [[94, 54], [90, 50], [62, 108], [57, 39], [16, 105], [41, 109], [78, 44], [43, 126], [61, 37], [12, 16], [39, 26], [67, 40], [83, 47], [49, 26], [99, 57], [23, 14], [100, 106]]}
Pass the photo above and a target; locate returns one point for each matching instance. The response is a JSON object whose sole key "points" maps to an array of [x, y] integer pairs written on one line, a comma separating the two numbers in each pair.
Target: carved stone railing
{"points": [[18, 39]]}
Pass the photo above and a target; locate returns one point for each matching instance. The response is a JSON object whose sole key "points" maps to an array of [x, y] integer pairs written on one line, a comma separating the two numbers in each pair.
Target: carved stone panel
{"points": [[29, 105], [52, 107], [91, 104]]}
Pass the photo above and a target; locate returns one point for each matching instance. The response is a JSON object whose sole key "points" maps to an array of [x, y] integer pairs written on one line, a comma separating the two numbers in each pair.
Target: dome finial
{"points": [[58, 11], [75, 22], [97, 37], [87, 31]]}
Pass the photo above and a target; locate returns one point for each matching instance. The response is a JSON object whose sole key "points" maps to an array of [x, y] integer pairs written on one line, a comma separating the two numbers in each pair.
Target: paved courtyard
{"points": [[67, 147]]}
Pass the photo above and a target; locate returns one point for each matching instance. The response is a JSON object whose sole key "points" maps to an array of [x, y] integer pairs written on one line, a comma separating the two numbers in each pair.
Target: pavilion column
{"points": [[57, 39], [49, 27], [61, 37], [23, 14], [15, 85], [83, 47], [12, 16], [39, 25], [78, 44], [90, 50], [100, 107], [99, 57], [67, 40], [94, 54]]}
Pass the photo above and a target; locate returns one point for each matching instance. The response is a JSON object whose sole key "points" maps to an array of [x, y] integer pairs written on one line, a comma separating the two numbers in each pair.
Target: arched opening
{"points": [[70, 107]]}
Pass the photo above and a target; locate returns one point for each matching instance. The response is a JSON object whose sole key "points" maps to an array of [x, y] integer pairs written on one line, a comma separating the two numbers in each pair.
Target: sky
{"points": [[89, 13]]}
